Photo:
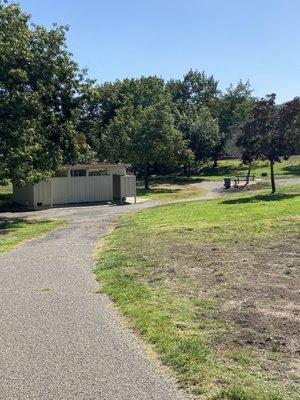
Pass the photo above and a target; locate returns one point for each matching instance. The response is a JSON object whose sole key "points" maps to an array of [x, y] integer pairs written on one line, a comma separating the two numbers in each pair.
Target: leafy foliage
{"points": [[213, 116], [195, 88], [145, 134], [200, 129], [231, 109], [273, 132], [51, 113], [39, 102]]}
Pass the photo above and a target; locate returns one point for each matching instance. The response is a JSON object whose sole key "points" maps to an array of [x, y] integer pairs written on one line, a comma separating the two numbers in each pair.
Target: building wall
{"points": [[66, 190], [42, 193], [101, 188], [119, 169], [77, 189], [81, 189], [128, 186]]}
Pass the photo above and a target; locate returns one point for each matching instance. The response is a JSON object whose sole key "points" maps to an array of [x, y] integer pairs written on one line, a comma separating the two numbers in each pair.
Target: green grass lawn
{"points": [[14, 231], [230, 168], [170, 192], [178, 187], [212, 286]]}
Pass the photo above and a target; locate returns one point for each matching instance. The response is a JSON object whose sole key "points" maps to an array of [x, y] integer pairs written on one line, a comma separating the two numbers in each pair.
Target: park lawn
{"points": [[14, 231], [230, 168], [178, 187], [170, 191], [290, 188], [281, 188], [212, 285]]}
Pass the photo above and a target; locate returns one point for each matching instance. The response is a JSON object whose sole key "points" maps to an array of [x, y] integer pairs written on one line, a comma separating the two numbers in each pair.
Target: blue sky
{"points": [[231, 39]]}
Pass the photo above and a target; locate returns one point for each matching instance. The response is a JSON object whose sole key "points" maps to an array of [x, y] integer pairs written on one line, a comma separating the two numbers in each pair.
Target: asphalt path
{"points": [[59, 338]]}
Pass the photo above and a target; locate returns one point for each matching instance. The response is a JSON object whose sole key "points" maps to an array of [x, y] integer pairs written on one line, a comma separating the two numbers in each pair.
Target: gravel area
{"points": [[59, 338]]}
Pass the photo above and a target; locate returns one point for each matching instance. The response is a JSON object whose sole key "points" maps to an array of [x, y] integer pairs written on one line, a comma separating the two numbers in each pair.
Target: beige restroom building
{"points": [[89, 183]]}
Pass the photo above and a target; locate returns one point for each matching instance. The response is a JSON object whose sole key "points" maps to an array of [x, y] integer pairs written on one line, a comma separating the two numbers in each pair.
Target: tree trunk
{"points": [[215, 160], [272, 176], [187, 170], [248, 175], [146, 176]]}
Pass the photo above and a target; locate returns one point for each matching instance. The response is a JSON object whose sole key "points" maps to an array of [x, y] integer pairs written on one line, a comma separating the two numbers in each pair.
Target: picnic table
{"points": [[239, 179]]}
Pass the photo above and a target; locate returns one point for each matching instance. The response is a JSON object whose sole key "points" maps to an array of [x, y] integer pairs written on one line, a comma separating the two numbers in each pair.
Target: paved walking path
{"points": [[60, 340]]}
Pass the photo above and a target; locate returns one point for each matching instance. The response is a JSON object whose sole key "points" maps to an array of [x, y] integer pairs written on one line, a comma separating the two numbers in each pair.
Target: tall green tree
{"points": [[200, 130], [39, 98], [272, 133], [194, 97], [196, 88], [145, 136], [101, 104], [231, 109], [90, 123]]}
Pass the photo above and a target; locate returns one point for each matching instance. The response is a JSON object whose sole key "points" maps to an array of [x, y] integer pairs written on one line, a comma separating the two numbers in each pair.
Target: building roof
{"points": [[95, 166]]}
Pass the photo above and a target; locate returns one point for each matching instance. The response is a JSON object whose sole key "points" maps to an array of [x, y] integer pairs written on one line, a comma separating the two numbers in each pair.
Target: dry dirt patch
{"points": [[257, 289]]}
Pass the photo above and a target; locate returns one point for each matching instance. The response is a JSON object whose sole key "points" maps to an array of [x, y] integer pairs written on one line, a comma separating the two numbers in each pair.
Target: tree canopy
{"points": [[143, 130], [39, 102], [51, 113], [200, 93], [272, 132]]}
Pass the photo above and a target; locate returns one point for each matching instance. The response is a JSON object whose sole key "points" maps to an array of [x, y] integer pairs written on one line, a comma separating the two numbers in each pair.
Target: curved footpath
{"points": [[59, 339]]}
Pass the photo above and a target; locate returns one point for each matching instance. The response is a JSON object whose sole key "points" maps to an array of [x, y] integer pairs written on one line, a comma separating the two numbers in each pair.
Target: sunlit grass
{"points": [[14, 231], [231, 168], [173, 193], [147, 264]]}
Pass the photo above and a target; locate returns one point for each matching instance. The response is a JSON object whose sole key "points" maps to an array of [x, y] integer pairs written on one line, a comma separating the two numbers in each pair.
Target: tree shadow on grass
{"points": [[260, 197], [223, 170], [173, 180], [7, 204], [292, 169], [8, 225], [147, 192], [11, 224]]}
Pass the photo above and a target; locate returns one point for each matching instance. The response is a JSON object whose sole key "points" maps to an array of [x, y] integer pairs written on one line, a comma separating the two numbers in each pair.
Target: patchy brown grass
{"points": [[170, 191], [258, 292], [215, 287]]}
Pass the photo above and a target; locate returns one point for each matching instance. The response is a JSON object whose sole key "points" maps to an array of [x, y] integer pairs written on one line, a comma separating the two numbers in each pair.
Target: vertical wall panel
{"points": [[100, 188], [42, 193], [128, 186], [60, 190], [66, 190], [81, 189]]}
